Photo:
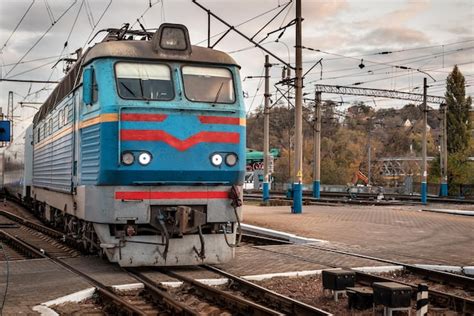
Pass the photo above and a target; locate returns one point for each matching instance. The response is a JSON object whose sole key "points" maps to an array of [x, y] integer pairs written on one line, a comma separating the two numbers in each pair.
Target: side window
{"points": [[95, 89], [38, 135], [61, 118], [69, 113], [50, 126], [55, 125]]}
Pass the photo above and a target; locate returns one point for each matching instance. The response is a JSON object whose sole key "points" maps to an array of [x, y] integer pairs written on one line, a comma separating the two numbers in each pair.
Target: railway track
{"points": [[458, 303], [360, 198], [246, 298], [13, 230], [155, 302], [34, 240]]}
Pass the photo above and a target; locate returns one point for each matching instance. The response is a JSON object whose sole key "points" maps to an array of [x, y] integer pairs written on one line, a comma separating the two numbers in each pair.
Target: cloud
{"points": [[398, 17], [458, 29], [317, 10], [408, 12], [393, 36]]}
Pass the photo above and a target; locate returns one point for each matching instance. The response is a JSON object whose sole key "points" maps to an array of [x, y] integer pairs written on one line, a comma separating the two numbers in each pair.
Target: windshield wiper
{"points": [[128, 89], [219, 92]]}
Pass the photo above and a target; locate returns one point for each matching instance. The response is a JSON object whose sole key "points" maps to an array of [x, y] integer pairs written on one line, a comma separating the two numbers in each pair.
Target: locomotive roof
{"points": [[143, 50], [126, 49]]}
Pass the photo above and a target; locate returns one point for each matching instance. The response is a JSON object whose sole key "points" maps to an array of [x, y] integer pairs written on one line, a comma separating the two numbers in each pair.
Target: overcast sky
{"points": [[431, 36]]}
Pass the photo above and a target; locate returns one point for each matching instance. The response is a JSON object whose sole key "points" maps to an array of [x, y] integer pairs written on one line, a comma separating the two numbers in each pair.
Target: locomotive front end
{"points": [[166, 189]]}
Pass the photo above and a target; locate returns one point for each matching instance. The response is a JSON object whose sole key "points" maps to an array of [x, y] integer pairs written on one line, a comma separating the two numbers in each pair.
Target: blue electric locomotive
{"points": [[139, 151]]}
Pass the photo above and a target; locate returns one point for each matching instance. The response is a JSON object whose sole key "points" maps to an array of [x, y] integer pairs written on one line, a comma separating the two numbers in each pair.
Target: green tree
{"points": [[460, 144], [458, 112]]}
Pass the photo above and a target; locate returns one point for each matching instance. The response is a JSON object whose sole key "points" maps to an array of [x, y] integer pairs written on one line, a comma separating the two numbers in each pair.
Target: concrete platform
{"points": [[31, 282], [34, 281], [402, 233]]}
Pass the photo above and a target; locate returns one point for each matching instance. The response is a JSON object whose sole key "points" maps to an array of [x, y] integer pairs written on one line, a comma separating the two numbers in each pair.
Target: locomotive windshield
{"points": [[208, 84], [144, 81]]}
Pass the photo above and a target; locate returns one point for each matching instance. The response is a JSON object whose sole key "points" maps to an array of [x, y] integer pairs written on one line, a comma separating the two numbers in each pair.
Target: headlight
{"points": [[144, 158], [127, 158], [216, 160], [231, 160]]}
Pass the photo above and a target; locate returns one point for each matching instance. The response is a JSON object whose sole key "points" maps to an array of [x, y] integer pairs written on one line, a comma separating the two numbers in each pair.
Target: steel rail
{"points": [[228, 300], [362, 197], [462, 281], [38, 227], [102, 289], [465, 282], [21, 246], [323, 201], [374, 195], [159, 296], [460, 304], [279, 301]]}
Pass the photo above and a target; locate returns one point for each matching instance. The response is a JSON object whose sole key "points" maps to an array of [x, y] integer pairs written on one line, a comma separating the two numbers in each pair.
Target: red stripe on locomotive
{"points": [[144, 195], [181, 145], [143, 117], [219, 120]]}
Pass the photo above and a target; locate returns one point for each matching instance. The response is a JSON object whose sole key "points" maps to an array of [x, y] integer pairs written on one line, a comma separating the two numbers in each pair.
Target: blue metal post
{"points": [[444, 189], [297, 198], [424, 193], [266, 191], [316, 189]]}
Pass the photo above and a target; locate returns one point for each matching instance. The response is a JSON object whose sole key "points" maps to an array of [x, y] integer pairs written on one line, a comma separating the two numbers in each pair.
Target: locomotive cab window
{"points": [[208, 84], [144, 81]]}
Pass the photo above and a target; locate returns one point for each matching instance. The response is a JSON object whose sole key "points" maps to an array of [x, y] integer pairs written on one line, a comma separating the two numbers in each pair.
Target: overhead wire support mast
{"points": [[232, 28], [266, 133], [297, 191], [317, 146], [424, 176]]}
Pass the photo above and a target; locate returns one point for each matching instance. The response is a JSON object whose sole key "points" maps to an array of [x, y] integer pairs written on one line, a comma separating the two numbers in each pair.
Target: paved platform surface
{"points": [[400, 233], [35, 281]]}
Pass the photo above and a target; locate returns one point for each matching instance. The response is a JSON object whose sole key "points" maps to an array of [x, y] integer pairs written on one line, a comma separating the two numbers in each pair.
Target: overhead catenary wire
{"points": [[150, 5], [31, 69], [17, 25], [404, 60], [45, 87], [41, 37], [33, 60], [245, 22]]}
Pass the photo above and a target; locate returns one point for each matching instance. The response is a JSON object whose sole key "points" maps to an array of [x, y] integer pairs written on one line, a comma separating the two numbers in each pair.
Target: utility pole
{"points": [[369, 152], [288, 78], [10, 113], [424, 176], [266, 133], [444, 151], [317, 146], [298, 180]]}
